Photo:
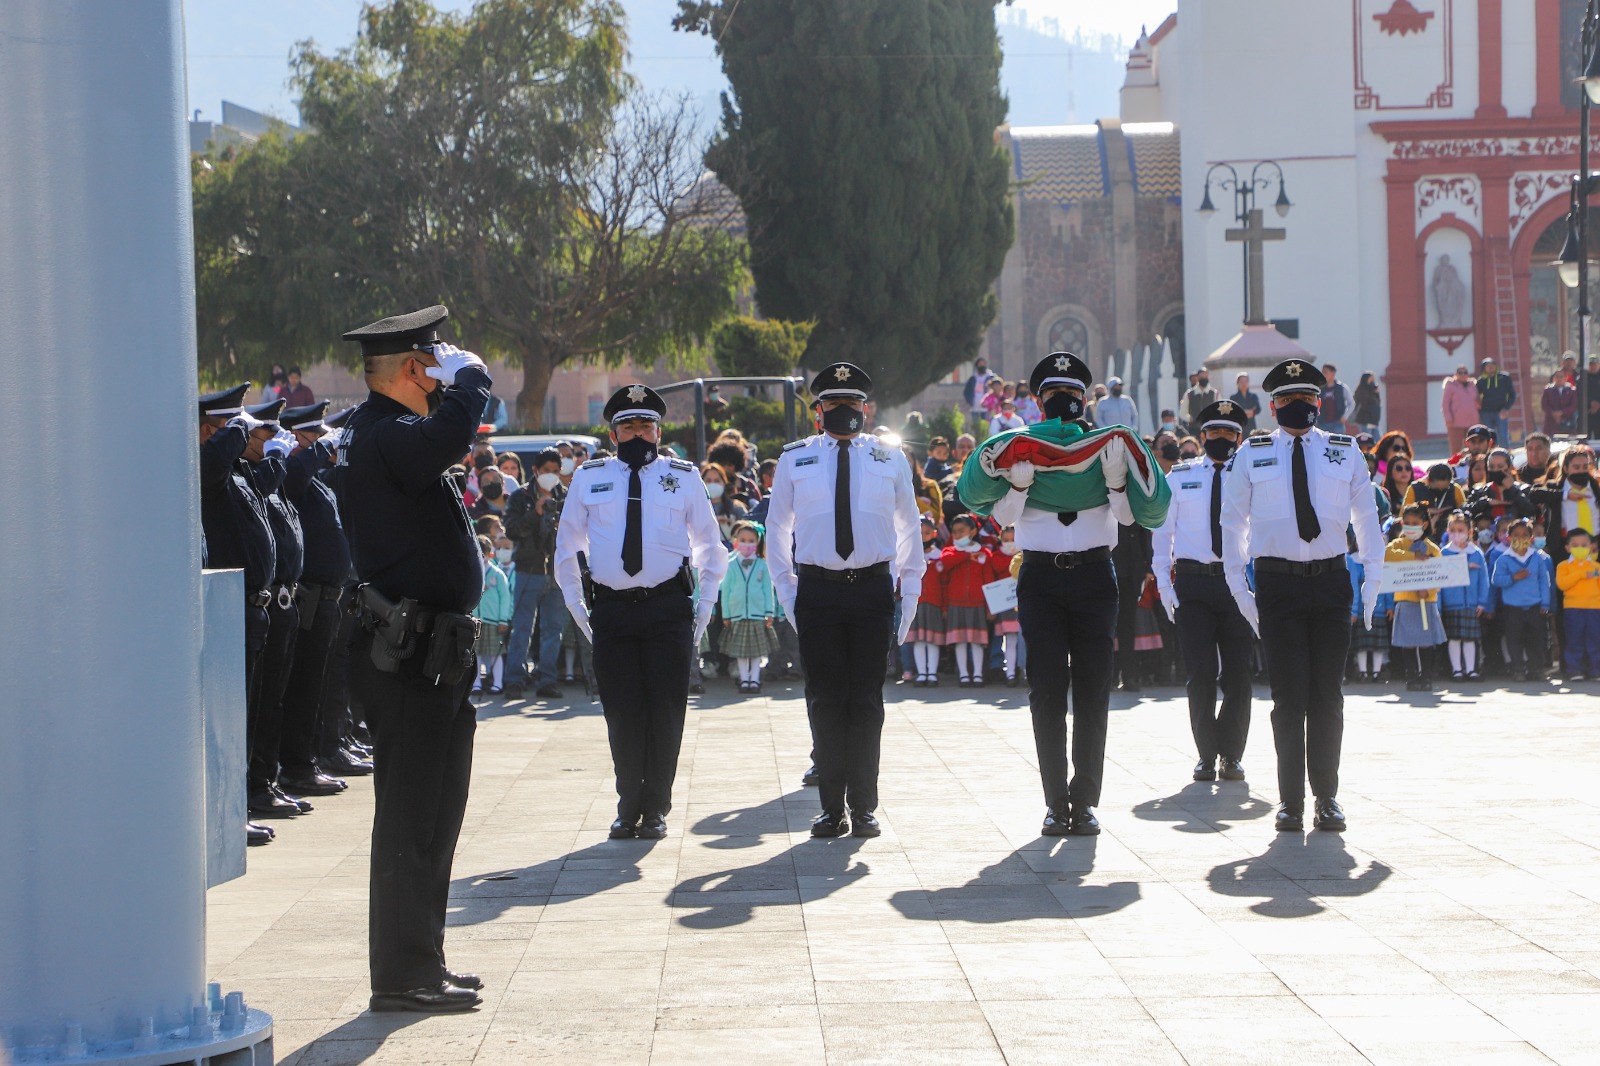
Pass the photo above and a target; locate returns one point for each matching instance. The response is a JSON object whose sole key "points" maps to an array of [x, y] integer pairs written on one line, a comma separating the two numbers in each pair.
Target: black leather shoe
{"points": [[810, 777], [267, 804], [347, 764], [318, 784], [257, 835], [624, 829], [830, 825], [1084, 823], [512, 692], [1291, 818], [470, 981], [1057, 823], [654, 827], [549, 692], [864, 824], [304, 805], [1329, 815], [1232, 769], [1205, 770], [697, 690], [441, 999]]}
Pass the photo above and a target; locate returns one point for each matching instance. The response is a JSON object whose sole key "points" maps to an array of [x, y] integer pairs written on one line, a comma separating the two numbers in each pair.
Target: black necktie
{"points": [[844, 538], [1066, 518], [633, 532], [1216, 512], [1305, 515]]}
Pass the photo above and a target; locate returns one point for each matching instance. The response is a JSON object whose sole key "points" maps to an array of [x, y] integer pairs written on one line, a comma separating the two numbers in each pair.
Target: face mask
{"points": [[1458, 537], [1065, 406], [1485, 537], [1579, 554], [1202, 381], [568, 466], [493, 490], [1008, 547], [1220, 449], [548, 482], [1189, 455], [1297, 414], [1169, 451], [435, 398], [1579, 479], [963, 542], [747, 548], [1411, 532], [1497, 476], [1538, 543], [1117, 391], [636, 452], [714, 490], [1520, 545], [503, 556], [843, 420]]}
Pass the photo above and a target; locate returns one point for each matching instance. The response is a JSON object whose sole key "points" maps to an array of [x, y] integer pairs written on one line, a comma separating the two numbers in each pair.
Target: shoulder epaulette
{"points": [[1228, 466], [792, 445], [1260, 442], [593, 463], [681, 464], [1340, 438], [1187, 464]]}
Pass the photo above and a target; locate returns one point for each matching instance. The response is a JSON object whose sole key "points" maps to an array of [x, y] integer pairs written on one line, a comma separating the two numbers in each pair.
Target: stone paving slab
{"points": [[1458, 920]]}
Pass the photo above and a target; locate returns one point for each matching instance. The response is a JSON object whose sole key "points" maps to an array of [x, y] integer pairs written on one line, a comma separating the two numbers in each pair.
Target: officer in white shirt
{"points": [[1288, 498], [842, 532], [1212, 634], [641, 519]]}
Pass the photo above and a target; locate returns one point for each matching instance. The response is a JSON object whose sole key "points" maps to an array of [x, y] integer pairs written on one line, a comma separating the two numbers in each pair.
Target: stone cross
{"points": [[1255, 235]]}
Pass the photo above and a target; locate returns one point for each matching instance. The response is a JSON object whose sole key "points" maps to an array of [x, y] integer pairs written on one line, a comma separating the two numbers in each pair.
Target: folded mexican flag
{"points": [[1076, 470]]}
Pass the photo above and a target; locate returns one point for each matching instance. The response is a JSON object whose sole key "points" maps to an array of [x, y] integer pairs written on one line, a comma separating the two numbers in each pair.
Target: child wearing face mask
{"points": [[1464, 606], [1523, 575], [1006, 625], [1415, 622], [749, 607], [1578, 578], [927, 629], [494, 620], [964, 568]]}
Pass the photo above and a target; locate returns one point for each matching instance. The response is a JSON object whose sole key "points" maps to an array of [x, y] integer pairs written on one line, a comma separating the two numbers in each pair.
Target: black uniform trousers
{"points": [[641, 665], [1305, 636], [256, 626], [844, 639], [335, 724], [304, 696], [277, 659], [422, 739], [1217, 644], [1069, 619]]}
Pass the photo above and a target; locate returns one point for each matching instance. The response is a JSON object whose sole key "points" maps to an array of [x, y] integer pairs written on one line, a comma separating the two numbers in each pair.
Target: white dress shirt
{"points": [[1042, 531], [678, 524], [883, 513], [1258, 516], [1186, 534], [1571, 516]]}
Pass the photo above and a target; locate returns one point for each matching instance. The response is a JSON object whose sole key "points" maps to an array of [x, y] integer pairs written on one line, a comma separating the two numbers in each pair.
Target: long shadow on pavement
{"points": [[1294, 871], [579, 874], [1054, 884], [1205, 807]]}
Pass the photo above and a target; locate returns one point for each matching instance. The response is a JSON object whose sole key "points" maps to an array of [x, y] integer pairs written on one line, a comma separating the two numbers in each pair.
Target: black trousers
{"points": [[641, 665], [1069, 619], [1305, 635], [844, 640], [277, 659], [1216, 643], [1525, 638], [422, 736], [306, 692], [334, 725]]}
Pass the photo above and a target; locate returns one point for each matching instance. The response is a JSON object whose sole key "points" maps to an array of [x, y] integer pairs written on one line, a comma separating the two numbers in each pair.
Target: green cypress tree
{"points": [[860, 140]]}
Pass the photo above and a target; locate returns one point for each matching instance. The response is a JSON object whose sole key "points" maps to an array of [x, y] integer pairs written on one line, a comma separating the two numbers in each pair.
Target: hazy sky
{"points": [[239, 49]]}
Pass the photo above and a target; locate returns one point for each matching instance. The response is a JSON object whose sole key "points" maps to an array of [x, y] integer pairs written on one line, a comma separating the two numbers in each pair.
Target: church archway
{"points": [[1071, 328]]}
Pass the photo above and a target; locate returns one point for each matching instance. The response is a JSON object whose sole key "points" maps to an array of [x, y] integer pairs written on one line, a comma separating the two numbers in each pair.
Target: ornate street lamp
{"points": [[1251, 233]]}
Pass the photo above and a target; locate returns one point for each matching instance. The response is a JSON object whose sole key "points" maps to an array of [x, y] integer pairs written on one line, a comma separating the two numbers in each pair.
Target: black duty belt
{"points": [[1067, 560], [859, 574], [285, 596], [1270, 564], [639, 595], [259, 599], [321, 592], [1192, 566]]}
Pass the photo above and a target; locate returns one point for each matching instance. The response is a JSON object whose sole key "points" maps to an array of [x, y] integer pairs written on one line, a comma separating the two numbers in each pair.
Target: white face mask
{"points": [[503, 556], [1411, 532], [548, 481], [1008, 547], [963, 542], [714, 490], [568, 466], [1458, 537]]}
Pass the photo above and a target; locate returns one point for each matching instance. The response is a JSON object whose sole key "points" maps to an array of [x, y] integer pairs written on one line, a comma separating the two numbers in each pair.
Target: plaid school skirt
{"points": [[491, 642], [747, 638], [928, 626], [966, 625], [1374, 639], [1462, 623]]}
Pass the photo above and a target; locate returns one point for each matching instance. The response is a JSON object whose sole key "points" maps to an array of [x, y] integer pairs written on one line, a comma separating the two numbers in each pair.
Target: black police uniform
{"points": [[322, 582], [410, 539], [1213, 636]]}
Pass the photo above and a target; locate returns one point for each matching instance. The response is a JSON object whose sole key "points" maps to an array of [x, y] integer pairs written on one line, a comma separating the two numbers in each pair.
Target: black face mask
{"points": [[1203, 382], [1297, 414], [843, 420], [493, 490], [1497, 476], [636, 452], [1169, 451], [435, 398], [1579, 479], [1065, 406], [1220, 449]]}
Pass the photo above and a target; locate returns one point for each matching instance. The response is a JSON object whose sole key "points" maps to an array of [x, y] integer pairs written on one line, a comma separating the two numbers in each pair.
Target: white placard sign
{"points": [[1002, 595], [1442, 572]]}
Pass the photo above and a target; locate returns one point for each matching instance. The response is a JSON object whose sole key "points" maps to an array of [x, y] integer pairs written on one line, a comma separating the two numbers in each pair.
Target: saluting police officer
{"points": [[1213, 636], [842, 531], [411, 663], [1287, 500], [642, 519]]}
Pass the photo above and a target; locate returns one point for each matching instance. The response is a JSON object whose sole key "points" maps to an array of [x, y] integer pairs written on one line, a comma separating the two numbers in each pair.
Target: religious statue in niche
{"points": [[1449, 296]]}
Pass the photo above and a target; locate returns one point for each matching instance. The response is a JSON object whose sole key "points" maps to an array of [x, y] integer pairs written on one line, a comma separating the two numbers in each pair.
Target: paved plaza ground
{"points": [[1457, 921]]}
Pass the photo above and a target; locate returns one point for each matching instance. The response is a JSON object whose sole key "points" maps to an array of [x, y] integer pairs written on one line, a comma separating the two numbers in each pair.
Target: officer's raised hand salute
{"points": [[641, 519], [412, 662], [1288, 498], [842, 531]]}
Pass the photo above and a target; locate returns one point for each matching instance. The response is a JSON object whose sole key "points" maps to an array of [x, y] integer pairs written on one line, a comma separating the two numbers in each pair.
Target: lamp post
{"points": [[1251, 232], [1573, 264]]}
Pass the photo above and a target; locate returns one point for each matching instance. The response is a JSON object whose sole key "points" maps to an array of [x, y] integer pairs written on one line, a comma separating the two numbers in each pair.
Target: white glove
{"points": [[333, 438], [1169, 600], [786, 601], [1371, 588], [1247, 607], [702, 619], [908, 614], [452, 360], [1114, 464], [1020, 475], [580, 618], [281, 444], [249, 421]]}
